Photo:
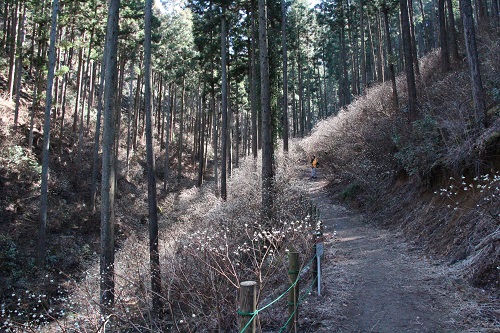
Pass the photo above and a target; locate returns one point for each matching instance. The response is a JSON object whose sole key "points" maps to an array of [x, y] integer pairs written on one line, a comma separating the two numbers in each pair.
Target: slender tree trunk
{"points": [[473, 60], [410, 74], [214, 131], [224, 129], [390, 60], [97, 134], [267, 142], [443, 40], [181, 132], [154, 255], [285, 76], [12, 47], [19, 64], [107, 258], [254, 85], [167, 136], [414, 51], [201, 155], [363, 48], [42, 238], [452, 33], [78, 89]]}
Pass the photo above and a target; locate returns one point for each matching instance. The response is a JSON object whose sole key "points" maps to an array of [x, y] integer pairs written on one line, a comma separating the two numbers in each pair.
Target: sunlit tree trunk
{"points": [[181, 131], [154, 255], [224, 128], [42, 238], [19, 64], [107, 258]]}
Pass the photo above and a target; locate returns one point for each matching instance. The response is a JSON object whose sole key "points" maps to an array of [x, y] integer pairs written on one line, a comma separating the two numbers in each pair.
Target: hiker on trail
{"points": [[314, 165]]}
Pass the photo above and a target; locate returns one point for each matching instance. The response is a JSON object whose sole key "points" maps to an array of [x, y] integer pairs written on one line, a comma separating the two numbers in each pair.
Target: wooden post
{"points": [[248, 304], [293, 296]]}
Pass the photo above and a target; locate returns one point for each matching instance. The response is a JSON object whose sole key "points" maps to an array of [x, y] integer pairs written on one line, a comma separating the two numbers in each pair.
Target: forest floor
{"points": [[373, 280]]}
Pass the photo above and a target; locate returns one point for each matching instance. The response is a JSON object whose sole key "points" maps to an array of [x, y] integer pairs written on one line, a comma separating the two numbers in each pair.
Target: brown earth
{"points": [[375, 281]]}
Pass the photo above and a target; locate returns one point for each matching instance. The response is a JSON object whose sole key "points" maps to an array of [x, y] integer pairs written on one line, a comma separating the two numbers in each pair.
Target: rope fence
{"points": [[248, 311]]}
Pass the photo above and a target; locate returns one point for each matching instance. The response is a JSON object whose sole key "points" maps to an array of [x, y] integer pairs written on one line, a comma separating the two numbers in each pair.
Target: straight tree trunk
{"points": [[452, 33], [97, 134], [154, 255], [285, 76], [254, 70], [201, 155], [391, 61], [215, 130], [107, 258], [414, 52], [224, 129], [267, 142], [363, 48], [443, 40], [167, 136], [473, 60], [181, 132], [42, 237], [19, 64], [410, 74]]}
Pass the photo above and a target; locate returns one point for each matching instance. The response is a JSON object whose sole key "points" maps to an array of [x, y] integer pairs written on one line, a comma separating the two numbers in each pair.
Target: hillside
{"points": [[435, 179]]}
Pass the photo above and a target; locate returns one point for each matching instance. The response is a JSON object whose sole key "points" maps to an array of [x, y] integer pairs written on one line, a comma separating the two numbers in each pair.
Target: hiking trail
{"points": [[374, 281]]}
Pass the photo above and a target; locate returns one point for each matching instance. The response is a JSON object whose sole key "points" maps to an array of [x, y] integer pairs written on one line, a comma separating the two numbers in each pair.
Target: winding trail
{"points": [[373, 281]]}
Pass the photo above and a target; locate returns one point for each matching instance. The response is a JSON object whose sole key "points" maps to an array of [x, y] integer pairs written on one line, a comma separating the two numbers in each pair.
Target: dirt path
{"points": [[375, 282]]}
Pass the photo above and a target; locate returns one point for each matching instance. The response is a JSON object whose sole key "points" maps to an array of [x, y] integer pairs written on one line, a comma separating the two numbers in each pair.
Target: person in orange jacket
{"points": [[314, 165]]}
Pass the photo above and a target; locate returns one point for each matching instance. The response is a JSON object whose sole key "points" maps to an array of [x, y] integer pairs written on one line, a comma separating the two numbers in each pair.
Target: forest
{"points": [[155, 154]]}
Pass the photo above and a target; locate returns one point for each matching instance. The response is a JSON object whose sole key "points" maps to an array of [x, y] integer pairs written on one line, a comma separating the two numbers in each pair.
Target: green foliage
{"points": [[420, 151], [17, 159]]}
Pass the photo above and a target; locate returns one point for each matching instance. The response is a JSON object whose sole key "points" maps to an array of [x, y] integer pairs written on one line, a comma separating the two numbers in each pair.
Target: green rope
{"points": [[254, 314]]}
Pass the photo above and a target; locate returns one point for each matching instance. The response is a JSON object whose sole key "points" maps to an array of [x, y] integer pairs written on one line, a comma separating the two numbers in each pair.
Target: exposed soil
{"points": [[374, 281]]}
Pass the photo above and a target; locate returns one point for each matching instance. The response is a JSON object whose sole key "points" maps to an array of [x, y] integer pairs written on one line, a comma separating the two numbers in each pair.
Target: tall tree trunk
{"points": [[391, 61], [473, 60], [254, 85], [215, 130], [201, 155], [154, 255], [130, 112], [78, 89], [452, 33], [107, 258], [363, 48], [181, 132], [414, 51], [267, 142], [410, 74], [12, 48], [443, 40], [285, 76], [224, 129], [167, 135], [19, 64], [42, 237], [97, 134]]}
